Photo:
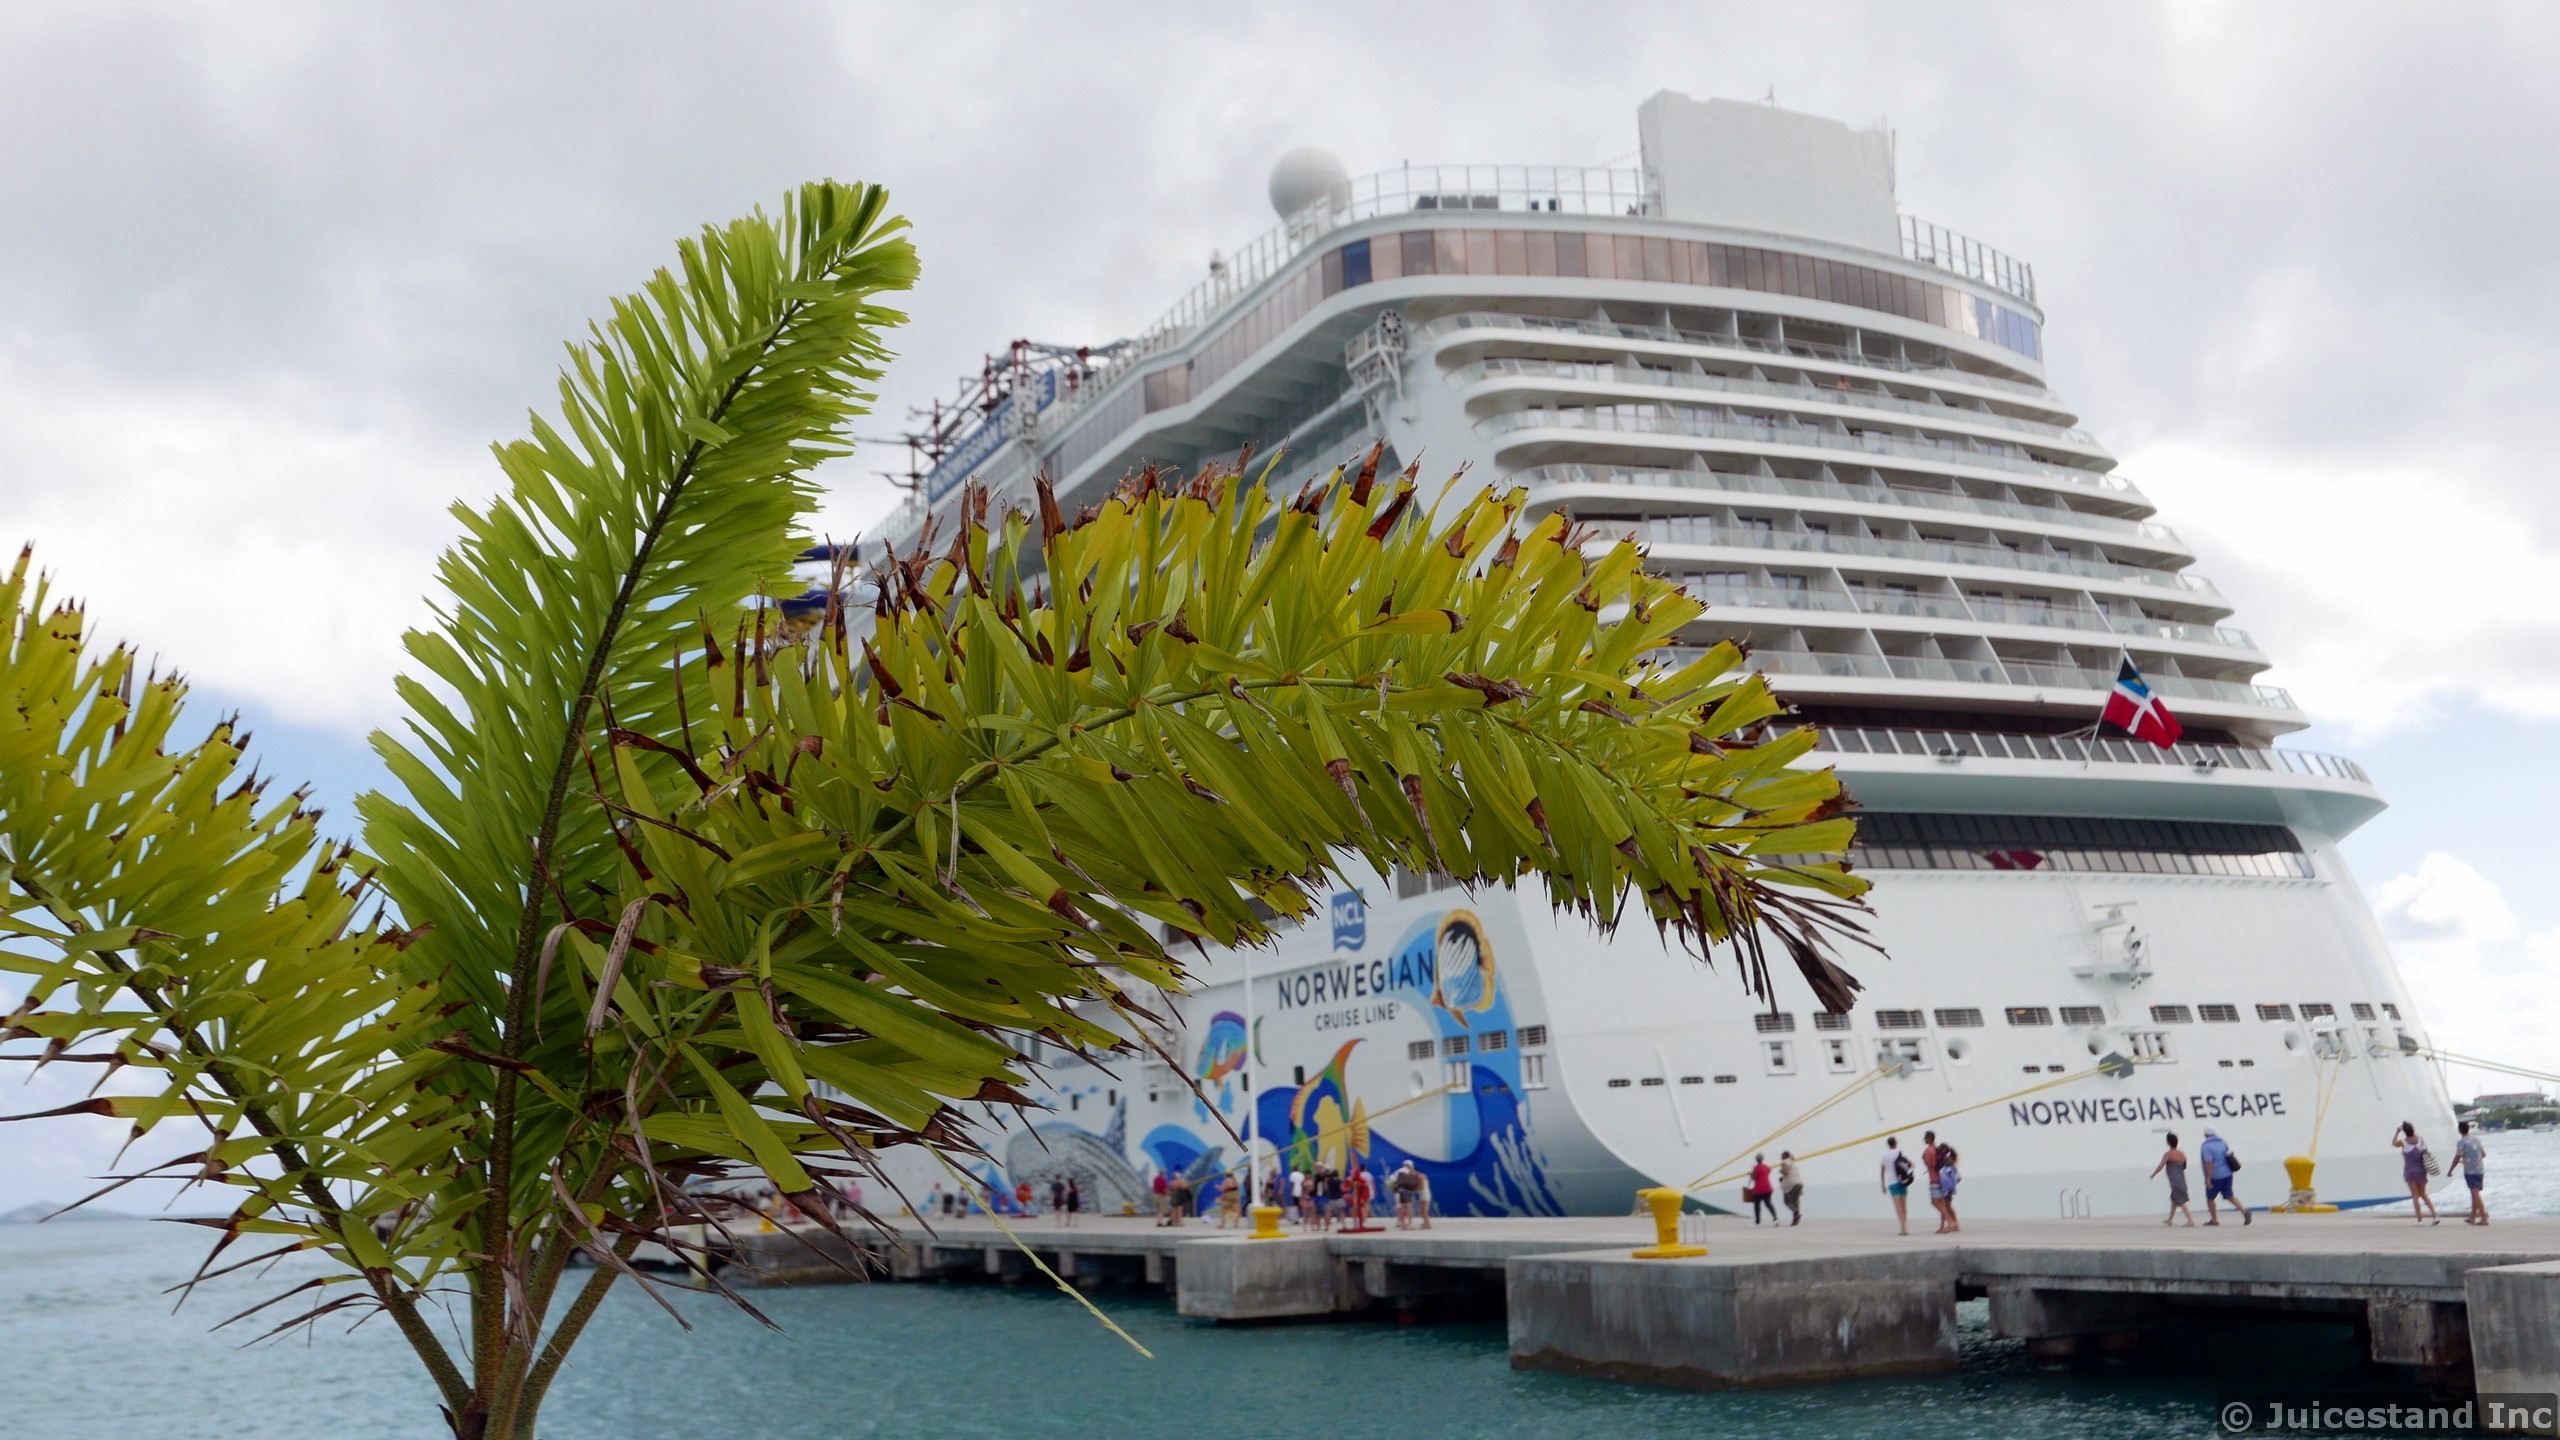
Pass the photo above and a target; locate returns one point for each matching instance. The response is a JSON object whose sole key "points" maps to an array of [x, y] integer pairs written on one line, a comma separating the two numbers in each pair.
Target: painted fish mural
{"points": [[1442, 969]]}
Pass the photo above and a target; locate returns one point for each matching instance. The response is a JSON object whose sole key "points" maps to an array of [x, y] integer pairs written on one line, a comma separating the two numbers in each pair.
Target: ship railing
{"points": [[1636, 419], [1846, 665], [1938, 246], [2083, 749], [1740, 484], [1817, 394], [1673, 335], [1548, 189], [1943, 552]]}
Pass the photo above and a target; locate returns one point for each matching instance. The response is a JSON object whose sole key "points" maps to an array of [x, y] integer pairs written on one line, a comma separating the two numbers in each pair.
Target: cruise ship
{"points": [[1830, 421]]}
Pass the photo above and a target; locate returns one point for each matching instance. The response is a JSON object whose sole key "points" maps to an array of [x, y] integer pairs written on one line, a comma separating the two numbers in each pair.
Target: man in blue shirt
{"points": [[2218, 1165]]}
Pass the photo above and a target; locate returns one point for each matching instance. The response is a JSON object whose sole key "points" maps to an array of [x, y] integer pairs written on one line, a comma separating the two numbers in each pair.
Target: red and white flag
{"points": [[2132, 708]]}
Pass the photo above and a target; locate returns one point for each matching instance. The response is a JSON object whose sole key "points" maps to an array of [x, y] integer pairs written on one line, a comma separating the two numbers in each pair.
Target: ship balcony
{"points": [[1500, 377], [1554, 485], [1615, 338], [1986, 773], [1948, 559], [1520, 432], [1992, 683], [2223, 645]]}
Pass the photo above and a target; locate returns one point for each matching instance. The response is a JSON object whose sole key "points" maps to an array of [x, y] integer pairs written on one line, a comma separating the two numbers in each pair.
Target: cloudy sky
{"points": [[275, 275]]}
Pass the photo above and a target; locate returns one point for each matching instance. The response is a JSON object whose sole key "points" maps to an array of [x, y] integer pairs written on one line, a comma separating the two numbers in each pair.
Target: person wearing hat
{"points": [[2219, 1166]]}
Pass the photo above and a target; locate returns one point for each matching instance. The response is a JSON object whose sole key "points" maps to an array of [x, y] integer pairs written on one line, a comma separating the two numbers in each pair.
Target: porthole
{"points": [[1959, 1051]]}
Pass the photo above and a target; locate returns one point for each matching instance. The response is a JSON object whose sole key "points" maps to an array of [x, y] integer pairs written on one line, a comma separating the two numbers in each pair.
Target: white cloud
{"points": [[2385, 590], [268, 538], [2482, 987], [2444, 899]]}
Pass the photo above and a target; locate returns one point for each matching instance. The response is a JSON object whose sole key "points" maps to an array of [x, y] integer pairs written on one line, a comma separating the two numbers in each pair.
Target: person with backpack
{"points": [[1760, 1191], [2414, 1165], [2220, 1165], [1894, 1177], [1406, 1185]]}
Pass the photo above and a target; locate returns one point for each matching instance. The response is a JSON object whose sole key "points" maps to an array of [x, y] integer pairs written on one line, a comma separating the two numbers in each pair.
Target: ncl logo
{"points": [[1350, 920]]}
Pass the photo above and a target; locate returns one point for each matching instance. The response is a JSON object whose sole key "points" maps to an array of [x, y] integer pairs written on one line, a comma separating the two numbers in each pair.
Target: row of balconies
{"points": [[1880, 367], [1663, 420], [1836, 493], [1841, 397], [1844, 665], [1695, 532], [1854, 599]]}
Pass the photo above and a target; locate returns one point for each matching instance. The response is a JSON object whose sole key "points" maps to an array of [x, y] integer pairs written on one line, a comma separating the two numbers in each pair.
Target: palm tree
{"points": [[677, 893]]}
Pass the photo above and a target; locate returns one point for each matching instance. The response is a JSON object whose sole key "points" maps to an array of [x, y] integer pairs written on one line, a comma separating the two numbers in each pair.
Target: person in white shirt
{"points": [[1894, 1176]]}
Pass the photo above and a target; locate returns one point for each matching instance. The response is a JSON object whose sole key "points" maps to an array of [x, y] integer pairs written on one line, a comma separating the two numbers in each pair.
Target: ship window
{"points": [[1570, 246], [1778, 1056], [1693, 1079], [2219, 1014], [1493, 1040], [1898, 1020], [1533, 1072], [1774, 1023], [2391, 1010], [1355, 264], [1725, 1079], [2030, 1015], [2083, 1015], [1419, 1050], [2275, 1012], [1417, 249], [1533, 1035], [1410, 883], [2172, 1015], [1835, 1054], [1906, 841], [1915, 1052], [2362, 1010], [1620, 1084], [1959, 1019], [1830, 1021], [1650, 1081], [1453, 1045], [2314, 1010]]}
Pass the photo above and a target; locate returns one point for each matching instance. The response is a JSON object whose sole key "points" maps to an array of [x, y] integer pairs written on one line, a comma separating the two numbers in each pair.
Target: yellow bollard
{"points": [[1664, 1202], [2302, 1201], [1266, 1223]]}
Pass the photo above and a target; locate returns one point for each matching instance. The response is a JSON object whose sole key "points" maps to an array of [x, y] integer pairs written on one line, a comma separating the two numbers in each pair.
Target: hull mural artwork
{"points": [[1374, 1060]]}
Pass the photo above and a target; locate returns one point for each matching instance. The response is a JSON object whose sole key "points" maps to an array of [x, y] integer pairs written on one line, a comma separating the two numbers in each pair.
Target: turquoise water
{"points": [[88, 1347]]}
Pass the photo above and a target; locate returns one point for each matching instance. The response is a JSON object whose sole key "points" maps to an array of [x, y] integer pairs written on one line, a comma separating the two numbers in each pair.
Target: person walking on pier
{"points": [[1791, 1186], [2220, 1165], [1075, 1199], [2173, 1163], [1944, 1186], [1422, 1196], [1057, 1200], [1894, 1178], [2413, 1169], [1931, 1156], [2469, 1153], [1759, 1189]]}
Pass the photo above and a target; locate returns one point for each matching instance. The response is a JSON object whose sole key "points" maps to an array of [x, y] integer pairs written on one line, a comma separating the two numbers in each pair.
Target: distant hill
{"points": [[30, 1214]]}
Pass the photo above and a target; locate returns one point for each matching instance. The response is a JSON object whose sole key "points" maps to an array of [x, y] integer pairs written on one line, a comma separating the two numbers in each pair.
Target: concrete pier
{"points": [[1827, 1300]]}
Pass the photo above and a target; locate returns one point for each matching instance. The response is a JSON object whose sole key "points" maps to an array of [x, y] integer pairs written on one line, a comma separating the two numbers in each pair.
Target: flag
{"points": [[2132, 708]]}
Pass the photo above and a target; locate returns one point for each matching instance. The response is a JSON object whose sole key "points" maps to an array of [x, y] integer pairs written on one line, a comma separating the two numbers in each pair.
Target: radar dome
{"points": [[1303, 177]]}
